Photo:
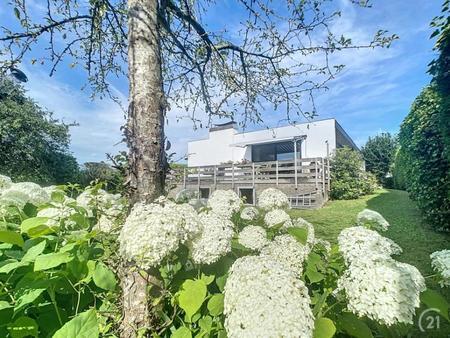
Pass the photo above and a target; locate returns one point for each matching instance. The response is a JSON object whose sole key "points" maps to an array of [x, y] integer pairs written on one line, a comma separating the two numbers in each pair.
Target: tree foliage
{"points": [[349, 180], [33, 144], [379, 154], [423, 161], [204, 69]]}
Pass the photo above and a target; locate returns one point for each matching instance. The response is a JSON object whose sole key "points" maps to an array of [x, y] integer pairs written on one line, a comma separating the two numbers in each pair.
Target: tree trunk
{"points": [[145, 138], [145, 126]]}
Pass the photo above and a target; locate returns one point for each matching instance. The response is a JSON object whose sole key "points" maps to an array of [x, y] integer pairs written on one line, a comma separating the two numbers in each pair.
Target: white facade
{"points": [[226, 144]]}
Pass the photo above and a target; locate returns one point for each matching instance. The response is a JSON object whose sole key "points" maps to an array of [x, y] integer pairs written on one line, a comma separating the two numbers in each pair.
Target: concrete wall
{"points": [[228, 145]]}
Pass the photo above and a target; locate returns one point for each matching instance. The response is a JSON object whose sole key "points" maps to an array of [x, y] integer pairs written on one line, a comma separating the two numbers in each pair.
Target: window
{"points": [[247, 194], [280, 151], [204, 193]]}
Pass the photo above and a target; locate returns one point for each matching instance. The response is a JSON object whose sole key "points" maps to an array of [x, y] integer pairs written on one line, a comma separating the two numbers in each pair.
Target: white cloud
{"points": [[99, 121]]}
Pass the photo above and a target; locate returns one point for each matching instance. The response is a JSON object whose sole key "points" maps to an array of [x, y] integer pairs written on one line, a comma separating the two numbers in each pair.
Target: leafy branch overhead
{"points": [[277, 54]]}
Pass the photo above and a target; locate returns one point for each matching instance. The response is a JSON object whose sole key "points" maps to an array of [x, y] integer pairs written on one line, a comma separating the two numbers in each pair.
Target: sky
{"points": [[372, 95]]}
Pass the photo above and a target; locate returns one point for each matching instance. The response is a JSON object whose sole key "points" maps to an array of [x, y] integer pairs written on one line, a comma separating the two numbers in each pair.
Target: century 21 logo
{"points": [[429, 320]]}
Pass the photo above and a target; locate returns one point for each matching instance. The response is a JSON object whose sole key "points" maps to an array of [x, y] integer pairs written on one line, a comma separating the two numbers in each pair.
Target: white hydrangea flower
{"points": [[224, 203], [357, 242], [5, 182], [57, 213], [286, 250], [214, 241], [28, 191], [264, 299], [111, 205], [249, 213], [197, 203], [440, 261], [272, 198], [185, 195], [253, 237], [105, 224], [277, 217], [372, 219], [386, 291], [152, 231]]}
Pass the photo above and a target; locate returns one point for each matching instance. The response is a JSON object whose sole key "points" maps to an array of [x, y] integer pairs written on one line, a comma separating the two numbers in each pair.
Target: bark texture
{"points": [[145, 126], [145, 137]]}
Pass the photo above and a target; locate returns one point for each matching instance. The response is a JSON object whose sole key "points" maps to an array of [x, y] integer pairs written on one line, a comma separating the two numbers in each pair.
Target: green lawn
{"points": [[416, 238]]}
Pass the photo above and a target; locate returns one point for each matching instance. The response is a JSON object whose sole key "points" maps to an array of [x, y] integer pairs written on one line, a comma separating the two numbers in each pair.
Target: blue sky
{"points": [[372, 95]]}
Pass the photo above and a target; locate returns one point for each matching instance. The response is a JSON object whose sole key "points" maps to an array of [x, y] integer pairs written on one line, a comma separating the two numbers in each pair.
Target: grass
{"points": [[417, 239]]}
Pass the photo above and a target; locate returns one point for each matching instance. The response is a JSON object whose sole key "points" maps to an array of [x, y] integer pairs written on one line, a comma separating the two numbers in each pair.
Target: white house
{"points": [[225, 144]]}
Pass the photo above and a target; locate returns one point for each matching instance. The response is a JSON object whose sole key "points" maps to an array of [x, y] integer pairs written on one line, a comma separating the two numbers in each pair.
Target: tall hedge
{"points": [[422, 159]]}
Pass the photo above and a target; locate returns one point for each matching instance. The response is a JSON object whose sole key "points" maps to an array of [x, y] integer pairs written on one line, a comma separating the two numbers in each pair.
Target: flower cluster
{"points": [[287, 251], [264, 299], [386, 291], [359, 242], [277, 217], [272, 198], [153, 231], [59, 213], [375, 284], [372, 219], [185, 195], [440, 261], [214, 239], [224, 203], [5, 182], [253, 237], [25, 192], [249, 213]]}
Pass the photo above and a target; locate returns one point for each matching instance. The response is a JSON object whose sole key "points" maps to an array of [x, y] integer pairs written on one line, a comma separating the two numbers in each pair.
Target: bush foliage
{"points": [[349, 180], [59, 261], [379, 154], [421, 165]]}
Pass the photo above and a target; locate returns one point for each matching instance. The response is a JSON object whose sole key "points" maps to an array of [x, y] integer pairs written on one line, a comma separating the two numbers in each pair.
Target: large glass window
{"points": [[279, 151]]}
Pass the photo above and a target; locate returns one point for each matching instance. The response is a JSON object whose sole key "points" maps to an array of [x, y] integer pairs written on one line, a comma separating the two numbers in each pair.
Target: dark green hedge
{"points": [[422, 166]]}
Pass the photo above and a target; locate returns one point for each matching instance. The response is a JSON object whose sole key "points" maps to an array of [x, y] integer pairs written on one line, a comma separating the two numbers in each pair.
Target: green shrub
{"points": [[348, 178], [421, 165], [379, 154]]}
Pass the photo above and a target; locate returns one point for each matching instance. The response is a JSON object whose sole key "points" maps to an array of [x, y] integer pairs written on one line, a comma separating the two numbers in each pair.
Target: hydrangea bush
{"points": [[225, 269], [57, 271]]}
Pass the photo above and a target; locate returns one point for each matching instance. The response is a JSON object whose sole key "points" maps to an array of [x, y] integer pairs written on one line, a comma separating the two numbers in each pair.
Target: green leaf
{"points": [[182, 332], [215, 304], [44, 262], [434, 300], [10, 266], [324, 328], [11, 237], [104, 278], [28, 296], [82, 326], [36, 227], [31, 223], [192, 295], [354, 326], [205, 323], [6, 312], [313, 275], [17, 13], [23, 327], [220, 282], [34, 251], [208, 279], [300, 234]]}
